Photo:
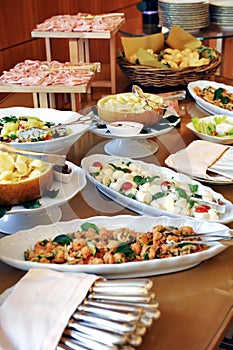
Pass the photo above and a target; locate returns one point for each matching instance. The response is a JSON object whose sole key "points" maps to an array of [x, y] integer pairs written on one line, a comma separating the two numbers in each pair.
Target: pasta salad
{"points": [[149, 187]]}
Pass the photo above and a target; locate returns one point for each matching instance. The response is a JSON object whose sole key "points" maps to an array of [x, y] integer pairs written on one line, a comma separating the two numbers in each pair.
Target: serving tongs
{"points": [[35, 133], [139, 92], [57, 159], [203, 238], [95, 67]]}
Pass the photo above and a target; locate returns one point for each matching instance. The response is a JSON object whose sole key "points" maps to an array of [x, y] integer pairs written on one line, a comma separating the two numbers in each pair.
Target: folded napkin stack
{"points": [[35, 314], [202, 158]]}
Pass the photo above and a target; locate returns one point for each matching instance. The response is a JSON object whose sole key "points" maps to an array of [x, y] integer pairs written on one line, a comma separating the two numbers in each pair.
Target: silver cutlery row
{"points": [[114, 315]]}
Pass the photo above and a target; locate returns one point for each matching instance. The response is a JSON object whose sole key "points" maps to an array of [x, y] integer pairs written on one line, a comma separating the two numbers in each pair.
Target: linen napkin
{"points": [[197, 158], [39, 307]]}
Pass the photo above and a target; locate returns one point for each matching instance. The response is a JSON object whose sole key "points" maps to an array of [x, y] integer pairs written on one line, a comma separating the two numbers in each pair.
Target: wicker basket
{"points": [[159, 77]]}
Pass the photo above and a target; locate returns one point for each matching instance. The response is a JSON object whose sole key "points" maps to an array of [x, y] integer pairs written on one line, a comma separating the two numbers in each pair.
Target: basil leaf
{"points": [[158, 195], [182, 193], [33, 204], [218, 93], [87, 225], [124, 248], [9, 119], [63, 239], [193, 188], [2, 211], [125, 170]]}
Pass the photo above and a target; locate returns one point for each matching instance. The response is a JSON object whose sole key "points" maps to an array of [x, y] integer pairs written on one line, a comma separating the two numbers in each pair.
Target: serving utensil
{"points": [[225, 241], [57, 159], [35, 133], [95, 67], [139, 92], [116, 324], [172, 188]]}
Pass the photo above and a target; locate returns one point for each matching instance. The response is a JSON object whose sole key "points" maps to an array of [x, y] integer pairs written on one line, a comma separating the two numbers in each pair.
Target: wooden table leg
{"points": [[113, 63], [75, 51]]}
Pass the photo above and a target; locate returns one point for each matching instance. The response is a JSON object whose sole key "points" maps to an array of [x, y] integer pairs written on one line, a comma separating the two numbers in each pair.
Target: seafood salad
{"points": [[219, 97], [99, 245], [139, 182], [11, 125]]}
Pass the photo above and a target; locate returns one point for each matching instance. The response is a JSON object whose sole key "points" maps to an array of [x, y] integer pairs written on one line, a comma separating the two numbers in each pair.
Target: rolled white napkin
{"points": [[197, 158], [37, 311]]}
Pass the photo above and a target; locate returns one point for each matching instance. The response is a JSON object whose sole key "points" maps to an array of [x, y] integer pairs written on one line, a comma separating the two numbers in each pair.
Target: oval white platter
{"points": [[12, 247], [49, 115], [66, 192], [225, 140], [142, 208], [209, 107]]}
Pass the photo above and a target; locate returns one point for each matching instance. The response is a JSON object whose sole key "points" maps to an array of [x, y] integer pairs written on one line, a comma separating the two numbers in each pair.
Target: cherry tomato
{"points": [[21, 127], [126, 186], [202, 209], [97, 164], [48, 137], [165, 183]]}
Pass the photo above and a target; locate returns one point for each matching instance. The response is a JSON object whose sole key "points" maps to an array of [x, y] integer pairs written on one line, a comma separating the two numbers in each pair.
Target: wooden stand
{"points": [[43, 96], [79, 49]]}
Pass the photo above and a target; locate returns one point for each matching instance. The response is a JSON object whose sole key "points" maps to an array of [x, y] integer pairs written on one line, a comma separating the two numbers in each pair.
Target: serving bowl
{"points": [[129, 107], [56, 145], [125, 128], [222, 139]]}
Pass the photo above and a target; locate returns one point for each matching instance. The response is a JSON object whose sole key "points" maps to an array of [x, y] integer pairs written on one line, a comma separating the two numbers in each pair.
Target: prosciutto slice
{"points": [[45, 73], [82, 22]]}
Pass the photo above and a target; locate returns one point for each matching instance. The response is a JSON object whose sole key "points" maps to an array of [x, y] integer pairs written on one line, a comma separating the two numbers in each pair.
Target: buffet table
{"points": [[196, 304]]}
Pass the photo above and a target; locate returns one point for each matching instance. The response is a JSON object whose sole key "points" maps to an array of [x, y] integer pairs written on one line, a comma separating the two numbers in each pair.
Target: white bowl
{"points": [[64, 177], [125, 128], [225, 140], [59, 145]]}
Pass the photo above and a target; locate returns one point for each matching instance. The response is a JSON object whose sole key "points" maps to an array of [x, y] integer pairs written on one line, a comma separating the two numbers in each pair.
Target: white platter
{"points": [[10, 224], [66, 192], [204, 104], [52, 115], [13, 247], [225, 140], [146, 209]]}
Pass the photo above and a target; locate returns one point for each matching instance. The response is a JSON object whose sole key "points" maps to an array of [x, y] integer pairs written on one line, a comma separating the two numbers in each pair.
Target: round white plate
{"points": [[226, 140], [146, 209], [66, 192], [13, 223], [52, 115], [12, 247], [209, 107]]}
